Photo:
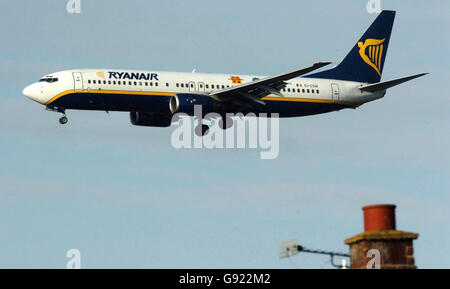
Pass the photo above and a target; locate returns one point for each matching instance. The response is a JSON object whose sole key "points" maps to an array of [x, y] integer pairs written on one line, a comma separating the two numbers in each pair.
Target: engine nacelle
{"points": [[185, 102], [150, 119]]}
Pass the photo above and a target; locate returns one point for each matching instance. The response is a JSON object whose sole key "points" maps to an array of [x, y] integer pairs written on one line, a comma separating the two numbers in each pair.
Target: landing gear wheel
{"points": [[225, 122], [205, 129], [63, 120], [201, 130]]}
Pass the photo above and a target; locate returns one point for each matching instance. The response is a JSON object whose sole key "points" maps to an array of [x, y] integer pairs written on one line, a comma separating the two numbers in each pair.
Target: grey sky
{"points": [[125, 198]]}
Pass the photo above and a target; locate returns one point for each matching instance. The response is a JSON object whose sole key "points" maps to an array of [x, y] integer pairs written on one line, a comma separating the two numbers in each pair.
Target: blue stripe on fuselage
{"points": [[160, 103]]}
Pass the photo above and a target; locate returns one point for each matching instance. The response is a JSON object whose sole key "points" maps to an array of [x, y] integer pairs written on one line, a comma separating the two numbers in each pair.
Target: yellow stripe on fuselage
{"points": [[315, 100]]}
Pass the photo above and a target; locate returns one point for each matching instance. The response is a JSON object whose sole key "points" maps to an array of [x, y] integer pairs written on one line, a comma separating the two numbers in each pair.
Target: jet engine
{"points": [[150, 119], [184, 102]]}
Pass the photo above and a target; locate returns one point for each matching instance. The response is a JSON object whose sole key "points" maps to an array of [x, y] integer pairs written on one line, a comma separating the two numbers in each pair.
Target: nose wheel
{"points": [[63, 120]]}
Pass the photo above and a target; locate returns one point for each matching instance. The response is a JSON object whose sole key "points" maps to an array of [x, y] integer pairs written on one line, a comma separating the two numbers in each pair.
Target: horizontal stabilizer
{"points": [[389, 84]]}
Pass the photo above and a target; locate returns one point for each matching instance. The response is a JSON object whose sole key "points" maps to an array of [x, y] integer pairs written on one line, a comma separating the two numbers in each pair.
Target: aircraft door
{"points": [[335, 91], [77, 80]]}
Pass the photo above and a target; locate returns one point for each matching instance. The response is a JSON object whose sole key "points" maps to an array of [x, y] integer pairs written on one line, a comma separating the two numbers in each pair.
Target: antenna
{"points": [[291, 248]]}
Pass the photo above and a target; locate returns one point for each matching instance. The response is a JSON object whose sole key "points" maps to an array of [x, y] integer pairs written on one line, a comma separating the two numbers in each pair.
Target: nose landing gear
{"points": [[63, 119], [201, 130]]}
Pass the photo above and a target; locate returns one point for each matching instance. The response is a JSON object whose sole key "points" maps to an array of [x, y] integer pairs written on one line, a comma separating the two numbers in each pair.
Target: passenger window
{"points": [[167, 84], [223, 86], [109, 81], [307, 90], [151, 83], [303, 90], [140, 83], [182, 85], [212, 85], [156, 83], [312, 90], [289, 90], [206, 86], [129, 82], [89, 81], [177, 85], [298, 90], [317, 90], [94, 81]]}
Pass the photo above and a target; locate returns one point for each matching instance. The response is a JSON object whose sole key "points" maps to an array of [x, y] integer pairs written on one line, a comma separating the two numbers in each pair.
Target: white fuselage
{"points": [[126, 90], [199, 83]]}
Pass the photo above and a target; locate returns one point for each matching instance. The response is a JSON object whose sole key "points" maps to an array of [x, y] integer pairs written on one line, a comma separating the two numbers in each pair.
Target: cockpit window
{"points": [[48, 79]]}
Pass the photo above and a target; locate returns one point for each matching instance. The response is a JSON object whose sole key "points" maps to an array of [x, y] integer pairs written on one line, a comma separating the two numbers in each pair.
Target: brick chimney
{"points": [[395, 247]]}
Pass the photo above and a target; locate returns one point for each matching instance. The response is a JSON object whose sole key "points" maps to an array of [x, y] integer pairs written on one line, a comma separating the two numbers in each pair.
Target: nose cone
{"points": [[28, 91], [33, 92]]}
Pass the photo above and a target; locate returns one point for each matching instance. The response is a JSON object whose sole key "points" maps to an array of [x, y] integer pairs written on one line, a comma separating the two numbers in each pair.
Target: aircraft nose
{"points": [[33, 92], [28, 91]]}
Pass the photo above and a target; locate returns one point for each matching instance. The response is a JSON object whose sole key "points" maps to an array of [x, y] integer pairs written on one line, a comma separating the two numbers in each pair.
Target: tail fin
{"points": [[364, 63]]}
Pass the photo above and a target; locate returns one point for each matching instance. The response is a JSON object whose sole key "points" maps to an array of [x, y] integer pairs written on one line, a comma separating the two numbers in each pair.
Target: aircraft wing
{"points": [[258, 89]]}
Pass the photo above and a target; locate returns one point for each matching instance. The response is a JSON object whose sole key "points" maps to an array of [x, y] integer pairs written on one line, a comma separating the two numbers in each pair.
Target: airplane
{"points": [[154, 97]]}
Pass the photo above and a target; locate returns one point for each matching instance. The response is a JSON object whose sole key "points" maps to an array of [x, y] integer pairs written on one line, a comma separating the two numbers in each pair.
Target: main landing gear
{"points": [[225, 122], [201, 130]]}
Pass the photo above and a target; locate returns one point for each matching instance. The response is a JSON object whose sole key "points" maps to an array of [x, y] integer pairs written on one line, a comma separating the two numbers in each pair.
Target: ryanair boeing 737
{"points": [[153, 97]]}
